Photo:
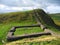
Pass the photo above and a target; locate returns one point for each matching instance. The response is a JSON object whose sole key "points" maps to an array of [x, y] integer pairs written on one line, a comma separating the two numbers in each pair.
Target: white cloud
{"points": [[5, 8], [23, 5], [53, 9], [24, 2], [2, 6]]}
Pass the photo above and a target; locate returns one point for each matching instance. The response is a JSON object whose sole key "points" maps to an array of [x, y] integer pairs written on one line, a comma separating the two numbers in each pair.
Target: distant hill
{"points": [[56, 18]]}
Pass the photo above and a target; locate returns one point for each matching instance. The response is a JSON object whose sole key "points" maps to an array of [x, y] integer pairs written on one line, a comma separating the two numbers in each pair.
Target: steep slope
{"points": [[27, 15], [45, 18]]}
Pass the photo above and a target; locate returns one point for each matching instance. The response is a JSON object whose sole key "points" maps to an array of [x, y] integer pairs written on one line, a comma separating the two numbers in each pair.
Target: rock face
{"points": [[45, 18]]}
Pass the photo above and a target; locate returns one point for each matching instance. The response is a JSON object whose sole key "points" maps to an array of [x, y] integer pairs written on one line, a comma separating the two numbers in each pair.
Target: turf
{"points": [[7, 21], [4, 28], [30, 30]]}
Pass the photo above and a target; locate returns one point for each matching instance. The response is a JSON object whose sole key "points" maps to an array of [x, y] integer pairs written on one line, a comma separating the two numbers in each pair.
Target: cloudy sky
{"points": [[51, 6]]}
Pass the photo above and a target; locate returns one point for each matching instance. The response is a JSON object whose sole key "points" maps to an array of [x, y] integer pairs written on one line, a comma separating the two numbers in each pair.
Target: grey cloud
{"points": [[16, 3], [30, 3], [21, 3]]}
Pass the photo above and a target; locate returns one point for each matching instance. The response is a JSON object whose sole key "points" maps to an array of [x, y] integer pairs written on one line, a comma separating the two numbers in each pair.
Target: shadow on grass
{"points": [[57, 27]]}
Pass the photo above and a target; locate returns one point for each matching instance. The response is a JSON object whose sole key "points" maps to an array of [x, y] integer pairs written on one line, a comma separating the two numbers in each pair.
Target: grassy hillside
{"points": [[27, 15], [15, 17], [9, 20]]}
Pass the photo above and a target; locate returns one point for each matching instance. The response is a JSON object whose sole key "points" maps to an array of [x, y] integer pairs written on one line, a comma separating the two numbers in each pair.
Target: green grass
{"points": [[8, 20], [56, 19], [30, 30], [54, 29], [4, 28]]}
